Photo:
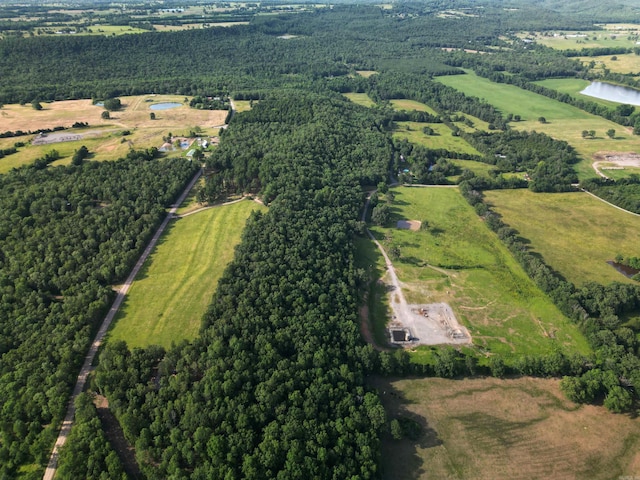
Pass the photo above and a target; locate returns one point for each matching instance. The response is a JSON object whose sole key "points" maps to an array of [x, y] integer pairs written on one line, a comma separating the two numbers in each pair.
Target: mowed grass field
{"points": [[564, 122], [103, 137], [492, 429], [168, 299], [412, 131], [360, 98], [488, 291], [574, 232]]}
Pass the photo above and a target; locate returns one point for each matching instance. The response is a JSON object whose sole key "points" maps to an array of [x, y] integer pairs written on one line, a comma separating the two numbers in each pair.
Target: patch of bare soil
{"points": [[115, 435], [614, 161], [409, 225]]}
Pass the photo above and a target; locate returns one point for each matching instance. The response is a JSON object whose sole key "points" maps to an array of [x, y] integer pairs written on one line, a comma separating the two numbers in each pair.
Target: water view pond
{"points": [[614, 93], [164, 106]]}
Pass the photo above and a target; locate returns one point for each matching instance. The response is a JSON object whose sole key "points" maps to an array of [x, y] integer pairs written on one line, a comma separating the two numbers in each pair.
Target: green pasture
{"points": [[173, 290], [405, 104], [479, 168], [412, 131], [458, 260], [360, 98], [618, 173], [575, 233], [512, 99], [563, 122]]}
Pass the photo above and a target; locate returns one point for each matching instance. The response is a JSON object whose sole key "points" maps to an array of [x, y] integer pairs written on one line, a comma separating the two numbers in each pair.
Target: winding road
{"points": [[97, 341]]}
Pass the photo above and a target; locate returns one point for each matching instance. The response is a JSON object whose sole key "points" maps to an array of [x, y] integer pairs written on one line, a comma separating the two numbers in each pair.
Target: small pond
{"points": [[164, 106], [614, 93]]}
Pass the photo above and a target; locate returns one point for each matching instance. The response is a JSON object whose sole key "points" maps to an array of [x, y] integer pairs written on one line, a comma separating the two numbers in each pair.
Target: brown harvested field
{"points": [[488, 428], [134, 114]]}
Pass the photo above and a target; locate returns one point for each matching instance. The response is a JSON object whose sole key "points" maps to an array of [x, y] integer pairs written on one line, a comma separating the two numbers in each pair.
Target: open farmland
{"points": [[574, 232], [412, 131], [166, 303], [493, 429], [458, 260], [612, 36], [104, 137], [563, 122], [624, 63]]}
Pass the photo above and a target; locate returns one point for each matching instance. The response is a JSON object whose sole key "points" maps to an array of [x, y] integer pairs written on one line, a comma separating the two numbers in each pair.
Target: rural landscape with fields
{"points": [[346, 240]]}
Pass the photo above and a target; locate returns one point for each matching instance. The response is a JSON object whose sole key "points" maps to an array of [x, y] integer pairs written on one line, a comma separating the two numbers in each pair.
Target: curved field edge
{"points": [[574, 232], [168, 299], [505, 312], [488, 428]]}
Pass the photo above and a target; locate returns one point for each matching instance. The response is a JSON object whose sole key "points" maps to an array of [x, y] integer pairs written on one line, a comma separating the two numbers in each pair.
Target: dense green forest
{"points": [[274, 386], [66, 235]]}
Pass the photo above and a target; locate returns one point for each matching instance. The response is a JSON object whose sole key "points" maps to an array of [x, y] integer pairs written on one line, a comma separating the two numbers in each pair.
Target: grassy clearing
{"points": [[366, 73], [489, 292], [574, 232], [168, 299], [369, 258], [360, 98], [412, 131], [479, 168], [564, 122], [242, 105], [404, 104], [504, 429], [103, 137]]}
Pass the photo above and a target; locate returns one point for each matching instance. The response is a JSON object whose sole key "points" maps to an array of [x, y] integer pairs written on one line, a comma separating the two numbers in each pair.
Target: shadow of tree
{"points": [[401, 459]]}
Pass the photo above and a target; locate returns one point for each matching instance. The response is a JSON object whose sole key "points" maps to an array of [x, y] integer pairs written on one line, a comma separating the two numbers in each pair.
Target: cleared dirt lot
{"points": [[495, 429]]}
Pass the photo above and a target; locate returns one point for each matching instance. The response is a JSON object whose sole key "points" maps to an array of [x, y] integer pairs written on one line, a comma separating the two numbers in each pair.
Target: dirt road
{"points": [[88, 360]]}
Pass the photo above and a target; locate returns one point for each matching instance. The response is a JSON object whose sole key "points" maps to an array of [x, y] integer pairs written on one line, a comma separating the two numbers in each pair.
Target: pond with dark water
{"points": [[613, 93], [164, 106]]}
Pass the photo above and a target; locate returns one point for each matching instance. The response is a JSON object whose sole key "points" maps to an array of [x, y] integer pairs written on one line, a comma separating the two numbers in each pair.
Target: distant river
{"points": [[614, 93]]}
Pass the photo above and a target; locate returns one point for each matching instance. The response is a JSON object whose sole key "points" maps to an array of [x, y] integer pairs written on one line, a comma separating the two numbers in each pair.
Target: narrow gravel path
{"points": [[97, 341]]}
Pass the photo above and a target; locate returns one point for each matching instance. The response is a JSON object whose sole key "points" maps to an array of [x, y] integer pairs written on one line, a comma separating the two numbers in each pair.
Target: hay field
{"points": [[575, 233], [458, 260], [172, 292], [494, 429]]}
